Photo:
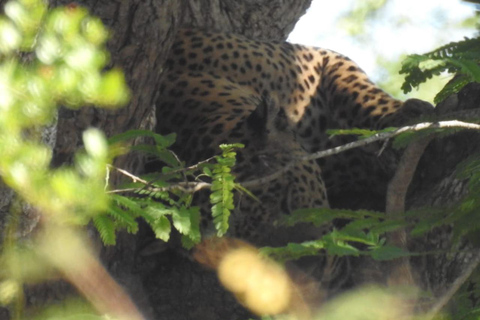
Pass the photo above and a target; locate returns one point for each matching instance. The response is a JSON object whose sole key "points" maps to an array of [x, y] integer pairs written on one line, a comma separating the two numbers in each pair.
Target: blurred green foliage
{"points": [[50, 58], [362, 11], [57, 57]]}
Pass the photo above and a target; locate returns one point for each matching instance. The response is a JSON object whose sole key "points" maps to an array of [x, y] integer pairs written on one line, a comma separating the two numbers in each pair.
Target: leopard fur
{"points": [[278, 99]]}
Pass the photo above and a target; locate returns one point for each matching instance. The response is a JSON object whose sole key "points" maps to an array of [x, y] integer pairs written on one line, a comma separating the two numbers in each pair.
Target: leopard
{"points": [[279, 100]]}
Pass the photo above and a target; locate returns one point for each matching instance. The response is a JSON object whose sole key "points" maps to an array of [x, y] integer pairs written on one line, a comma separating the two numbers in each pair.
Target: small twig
{"points": [[277, 174], [454, 288], [128, 174], [190, 168], [388, 135], [187, 187], [123, 190]]}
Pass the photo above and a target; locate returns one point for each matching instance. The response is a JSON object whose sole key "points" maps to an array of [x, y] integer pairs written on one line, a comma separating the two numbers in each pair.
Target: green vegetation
{"points": [[460, 58], [57, 58], [52, 58]]}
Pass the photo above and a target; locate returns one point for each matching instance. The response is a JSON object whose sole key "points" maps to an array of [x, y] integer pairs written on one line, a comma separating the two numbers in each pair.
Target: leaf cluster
{"points": [[160, 201], [223, 183], [159, 208], [362, 235], [30, 95], [47, 59], [461, 58]]}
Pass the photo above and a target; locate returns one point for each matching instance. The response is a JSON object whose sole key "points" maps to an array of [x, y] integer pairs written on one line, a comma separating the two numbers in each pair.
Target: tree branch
{"points": [[400, 273], [382, 136], [191, 187]]}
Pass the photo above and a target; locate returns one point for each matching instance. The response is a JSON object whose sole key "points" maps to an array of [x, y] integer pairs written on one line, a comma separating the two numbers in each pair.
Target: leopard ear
{"points": [[261, 118]]}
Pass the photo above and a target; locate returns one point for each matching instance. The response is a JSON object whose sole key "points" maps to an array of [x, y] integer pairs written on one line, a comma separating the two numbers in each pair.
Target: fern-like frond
{"points": [[223, 184], [106, 228], [461, 58], [123, 218]]}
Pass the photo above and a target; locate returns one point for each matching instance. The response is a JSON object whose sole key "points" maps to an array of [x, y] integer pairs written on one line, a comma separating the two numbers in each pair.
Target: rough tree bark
{"points": [[170, 286]]}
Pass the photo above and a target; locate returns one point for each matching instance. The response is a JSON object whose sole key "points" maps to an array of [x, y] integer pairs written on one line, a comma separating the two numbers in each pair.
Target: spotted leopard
{"points": [[278, 99]]}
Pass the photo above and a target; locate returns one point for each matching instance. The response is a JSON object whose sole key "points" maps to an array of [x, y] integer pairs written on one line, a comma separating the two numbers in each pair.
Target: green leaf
{"points": [[181, 220], [105, 228], [194, 236], [338, 247], [320, 216], [294, 251], [207, 172], [223, 183], [317, 216], [388, 253], [456, 57], [362, 224], [95, 143], [134, 206], [161, 141], [453, 86], [10, 37], [388, 226], [94, 31], [161, 227], [124, 218]]}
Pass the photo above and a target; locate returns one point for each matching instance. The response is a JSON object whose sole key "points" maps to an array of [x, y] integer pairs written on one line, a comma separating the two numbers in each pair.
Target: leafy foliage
{"points": [[365, 229], [461, 58], [160, 198], [47, 59], [31, 93], [223, 184], [360, 132], [466, 299]]}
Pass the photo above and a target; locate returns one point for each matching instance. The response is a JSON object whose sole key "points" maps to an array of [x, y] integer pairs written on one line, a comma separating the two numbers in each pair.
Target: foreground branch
{"points": [[191, 187], [382, 136]]}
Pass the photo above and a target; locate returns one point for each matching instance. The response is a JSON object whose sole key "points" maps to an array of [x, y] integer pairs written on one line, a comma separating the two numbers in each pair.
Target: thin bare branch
{"points": [[131, 176], [361, 143], [187, 187], [191, 187], [388, 135], [190, 168]]}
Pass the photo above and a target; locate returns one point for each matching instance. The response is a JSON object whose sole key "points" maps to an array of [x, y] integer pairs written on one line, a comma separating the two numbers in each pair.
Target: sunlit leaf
{"points": [[95, 143], [162, 228], [181, 220], [10, 37]]}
